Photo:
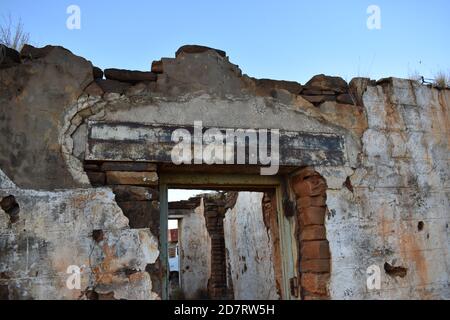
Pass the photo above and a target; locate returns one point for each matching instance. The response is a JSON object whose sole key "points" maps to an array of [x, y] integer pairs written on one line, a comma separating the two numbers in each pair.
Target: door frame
{"points": [[244, 182]]}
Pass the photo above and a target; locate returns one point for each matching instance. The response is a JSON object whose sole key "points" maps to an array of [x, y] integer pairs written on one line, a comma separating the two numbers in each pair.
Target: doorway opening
{"points": [[223, 244]]}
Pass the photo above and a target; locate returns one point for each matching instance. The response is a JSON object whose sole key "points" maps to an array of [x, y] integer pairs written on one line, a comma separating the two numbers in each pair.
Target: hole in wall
{"points": [[11, 207], [98, 235], [420, 225], [395, 271], [348, 184]]}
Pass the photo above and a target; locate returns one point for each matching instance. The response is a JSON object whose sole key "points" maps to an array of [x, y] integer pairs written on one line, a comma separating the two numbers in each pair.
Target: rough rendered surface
{"points": [[249, 249], [388, 201], [195, 246], [55, 231]]}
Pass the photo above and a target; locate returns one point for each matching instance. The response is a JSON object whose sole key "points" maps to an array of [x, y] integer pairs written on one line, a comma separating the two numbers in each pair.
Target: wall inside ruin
{"points": [[195, 254], [250, 249]]}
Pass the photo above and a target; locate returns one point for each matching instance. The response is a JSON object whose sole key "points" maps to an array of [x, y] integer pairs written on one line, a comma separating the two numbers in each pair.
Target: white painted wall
{"points": [[250, 249], [195, 253], [403, 179]]}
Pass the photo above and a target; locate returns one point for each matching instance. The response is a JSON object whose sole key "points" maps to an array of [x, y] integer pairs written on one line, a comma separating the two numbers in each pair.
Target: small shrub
{"points": [[415, 76], [442, 79], [12, 34]]}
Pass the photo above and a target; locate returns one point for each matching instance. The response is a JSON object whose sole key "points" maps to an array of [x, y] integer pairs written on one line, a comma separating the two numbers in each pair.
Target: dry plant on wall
{"points": [[442, 80], [415, 76], [12, 34]]}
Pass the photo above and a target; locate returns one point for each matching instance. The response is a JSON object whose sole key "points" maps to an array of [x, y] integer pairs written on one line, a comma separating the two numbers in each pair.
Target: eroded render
{"points": [[77, 187]]}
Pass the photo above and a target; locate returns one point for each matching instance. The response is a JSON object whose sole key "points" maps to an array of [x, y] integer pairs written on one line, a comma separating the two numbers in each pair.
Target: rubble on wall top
{"points": [[198, 49], [319, 89]]}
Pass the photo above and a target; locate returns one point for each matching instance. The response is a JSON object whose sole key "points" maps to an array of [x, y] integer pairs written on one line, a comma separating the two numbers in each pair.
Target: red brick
{"points": [[315, 265], [304, 173], [313, 232], [313, 186], [315, 250], [315, 283], [312, 216], [317, 201]]}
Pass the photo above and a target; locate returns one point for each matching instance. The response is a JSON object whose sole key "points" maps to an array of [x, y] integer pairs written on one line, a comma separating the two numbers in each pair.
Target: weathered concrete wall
{"points": [[34, 96], [195, 253], [80, 227], [395, 207], [395, 176], [249, 249]]}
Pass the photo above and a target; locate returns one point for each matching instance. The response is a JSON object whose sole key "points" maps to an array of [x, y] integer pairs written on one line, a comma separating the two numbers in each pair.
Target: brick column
{"points": [[314, 254], [214, 215]]}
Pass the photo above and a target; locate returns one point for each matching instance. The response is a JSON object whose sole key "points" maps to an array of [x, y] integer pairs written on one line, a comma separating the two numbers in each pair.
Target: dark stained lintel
{"points": [[116, 141]]}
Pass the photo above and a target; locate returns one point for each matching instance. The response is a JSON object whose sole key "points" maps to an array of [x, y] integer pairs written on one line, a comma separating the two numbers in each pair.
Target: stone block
{"points": [[157, 66], [198, 49], [97, 72], [112, 86], [345, 98], [94, 90], [133, 193], [141, 214], [132, 178], [323, 82], [96, 178], [129, 76]]}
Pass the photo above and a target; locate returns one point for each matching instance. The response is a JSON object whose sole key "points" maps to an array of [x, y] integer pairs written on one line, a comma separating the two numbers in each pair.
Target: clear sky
{"points": [[277, 39]]}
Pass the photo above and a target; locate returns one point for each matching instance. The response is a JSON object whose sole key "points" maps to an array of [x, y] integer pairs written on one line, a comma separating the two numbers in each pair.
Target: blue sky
{"points": [[291, 40]]}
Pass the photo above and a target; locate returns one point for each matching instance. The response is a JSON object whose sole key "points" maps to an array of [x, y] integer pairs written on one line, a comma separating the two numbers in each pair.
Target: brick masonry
{"points": [[314, 256], [395, 176], [135, 186], [214, 215]]}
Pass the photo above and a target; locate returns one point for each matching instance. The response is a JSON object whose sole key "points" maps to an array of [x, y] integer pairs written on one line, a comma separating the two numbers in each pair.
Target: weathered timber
{"points": [[115, 141]]}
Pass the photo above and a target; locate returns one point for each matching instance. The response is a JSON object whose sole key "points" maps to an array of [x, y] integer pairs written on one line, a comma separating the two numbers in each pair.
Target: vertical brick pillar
{"points": [[214, 215], [314, 251]]}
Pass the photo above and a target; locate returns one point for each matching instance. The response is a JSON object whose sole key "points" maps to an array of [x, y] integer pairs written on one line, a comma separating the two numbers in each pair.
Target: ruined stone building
{"points": [[232, 257], [359, 207]]}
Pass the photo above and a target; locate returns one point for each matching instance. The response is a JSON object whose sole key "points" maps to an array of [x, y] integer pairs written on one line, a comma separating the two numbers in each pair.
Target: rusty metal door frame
{"points": [[223, 182]]}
